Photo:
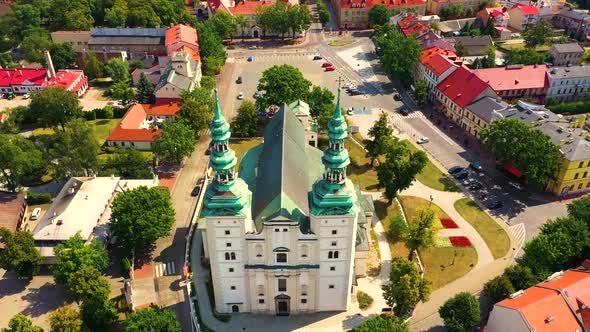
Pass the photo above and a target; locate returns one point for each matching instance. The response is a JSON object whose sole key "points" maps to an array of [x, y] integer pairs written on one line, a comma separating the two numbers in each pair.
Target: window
{"points": [[277, 230], [332, 268], [303, 301], [585, 174], [228, 244], [580, 186], [333, 243], [282, 285], [334, 232], [588, 185], [260, 290], [304, 250], [260, 301], [331, 286], [231, 269], [281, 257], [333, 254], [581, 164], [226, 232], [303, 290], [232, 287], [233, 256], [227, 257], [576, 176], [285, 229]]}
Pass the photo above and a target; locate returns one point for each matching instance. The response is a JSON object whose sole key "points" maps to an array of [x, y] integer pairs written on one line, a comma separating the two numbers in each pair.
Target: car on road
{"points": [[201, 181], [256, 95], [250, 58], [350, 111], [355, 92], [239, 80], [196, 191], [455, 169], [317, 57], [404, 111], [10, 95], [346, 85], [475, 186], [330, 68], [493, 205], [253, 47], [515, 185], [240, 95], [423, 140], [468, 181], [476, 167], [461, 175], [26, 96], [327, 64], [397, 97]]}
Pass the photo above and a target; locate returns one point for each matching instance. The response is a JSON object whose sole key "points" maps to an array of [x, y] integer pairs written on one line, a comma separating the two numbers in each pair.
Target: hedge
{"points": [[570, 108], [34, 198], [107, 112]]}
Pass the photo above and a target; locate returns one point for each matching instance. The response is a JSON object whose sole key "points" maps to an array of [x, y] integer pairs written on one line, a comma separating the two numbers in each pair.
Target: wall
{"points": [[128, 144]]}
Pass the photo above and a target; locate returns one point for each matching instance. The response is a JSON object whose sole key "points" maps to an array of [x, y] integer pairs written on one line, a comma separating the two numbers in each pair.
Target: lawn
{"points": [[522, 46], [494, 235], [431, 176], [385, 213], [242, 145], [360, 170], [341, 42], [101, 128], [442, 265]]}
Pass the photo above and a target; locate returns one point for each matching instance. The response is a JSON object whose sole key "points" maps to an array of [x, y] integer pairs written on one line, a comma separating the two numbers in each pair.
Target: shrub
{"points": [[571, 108], [397, 227], [125, 266], [365, 300], [90, 115], [498, 288], [104, 113], [460, 313], [38, 198], [118, 112]]}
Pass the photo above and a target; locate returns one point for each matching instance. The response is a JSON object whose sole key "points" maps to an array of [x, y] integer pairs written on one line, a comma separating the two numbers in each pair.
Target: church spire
{"points": [[223, 158], [335, 157]]}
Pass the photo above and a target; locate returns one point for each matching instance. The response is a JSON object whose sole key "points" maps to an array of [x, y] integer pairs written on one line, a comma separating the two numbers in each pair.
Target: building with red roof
{"points": [[27, 80], [246, 8], [436, 64], [523, 16], [499, 15], [354, 14], [558, 304], [458, 90], [182, 38], [13, 209], [411, 25], [516, 81], [139, 126]]}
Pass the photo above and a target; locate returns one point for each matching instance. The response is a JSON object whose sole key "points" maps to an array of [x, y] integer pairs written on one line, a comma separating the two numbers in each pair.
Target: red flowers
{"points": [[448, 223], [460, 241]]}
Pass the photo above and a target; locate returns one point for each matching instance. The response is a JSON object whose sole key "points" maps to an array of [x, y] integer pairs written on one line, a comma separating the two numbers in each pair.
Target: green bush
{"points": [[90, 115], [397, 228], [365, 300], [119, 112], [498, 288], [125, 266], [460, 313], [571, 108], [104, 113], [37, 198]]}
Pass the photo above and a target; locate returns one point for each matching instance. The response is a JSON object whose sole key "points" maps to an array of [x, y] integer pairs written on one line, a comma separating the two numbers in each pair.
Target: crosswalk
{"points": [[396, 117], [165, 269], [518, 232]]}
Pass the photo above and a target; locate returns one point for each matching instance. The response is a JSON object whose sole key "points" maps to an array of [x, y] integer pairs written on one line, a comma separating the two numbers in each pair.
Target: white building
{"points": [[568, 83], [288, 233]]}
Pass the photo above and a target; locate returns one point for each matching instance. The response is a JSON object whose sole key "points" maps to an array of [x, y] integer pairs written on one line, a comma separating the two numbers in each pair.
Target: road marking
{"points": [[519, 232], [165, 269], [396, 116]]}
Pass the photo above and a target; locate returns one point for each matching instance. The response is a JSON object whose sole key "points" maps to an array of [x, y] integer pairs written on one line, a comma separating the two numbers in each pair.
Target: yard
{"points": [[521, 46], [492, 233], [101, 128]]}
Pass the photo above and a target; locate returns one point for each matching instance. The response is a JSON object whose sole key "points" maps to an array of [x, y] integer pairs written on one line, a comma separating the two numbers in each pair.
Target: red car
{"points": [[327, 64], [330, 68]]}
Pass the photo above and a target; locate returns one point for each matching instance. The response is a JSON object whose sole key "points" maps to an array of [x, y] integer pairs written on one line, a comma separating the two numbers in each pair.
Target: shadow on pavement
{"points": [[44, 299]]}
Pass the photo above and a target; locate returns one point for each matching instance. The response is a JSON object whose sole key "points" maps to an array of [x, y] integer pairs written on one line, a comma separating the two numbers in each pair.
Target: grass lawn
{"points": [[341, 42], [385, 213], [494, 235], [432, 177], [360, 170], [101, 128], [521, 46], [442, 265], [242, 145]]}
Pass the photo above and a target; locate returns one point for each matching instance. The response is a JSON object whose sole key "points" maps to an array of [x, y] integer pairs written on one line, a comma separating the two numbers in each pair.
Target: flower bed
{"points": [[460, 241], [442, 242], [448, 223]]}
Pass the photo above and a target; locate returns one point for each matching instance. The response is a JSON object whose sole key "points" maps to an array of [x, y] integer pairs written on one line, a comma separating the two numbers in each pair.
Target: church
{"points": [[287, 233]]}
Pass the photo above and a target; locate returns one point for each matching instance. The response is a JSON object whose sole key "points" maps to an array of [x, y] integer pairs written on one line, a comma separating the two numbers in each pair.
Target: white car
{"points": [[253, 47], [240, 95], [423, 140], [515, 185], [26, 96], [35, 214], [350, 111]]}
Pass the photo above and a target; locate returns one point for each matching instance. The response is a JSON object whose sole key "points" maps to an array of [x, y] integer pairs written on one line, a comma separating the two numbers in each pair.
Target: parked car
{"points": [[240, 95], [317, 57], [239, 80], [461, 175], [475, 186], [253, 47], [494, 205], [397, 97], [36, 213], [455, 169], [423, 140], [350, 111], [250, 58], [355, 92], [346, 85], [196, 191], [327, 64], [26, 96], [468, 181], [476, 167], [256, 95], [10, 95], [515, 185], [351, 87], [404, 111], [330, 68]]}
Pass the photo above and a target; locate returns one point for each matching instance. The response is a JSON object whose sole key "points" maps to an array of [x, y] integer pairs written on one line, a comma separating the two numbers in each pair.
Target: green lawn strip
{"points": [[385, 213], [100, 127], [492, 233], [432, 176], [360, 170], [242, 145], [341, 42], [440, 265]]}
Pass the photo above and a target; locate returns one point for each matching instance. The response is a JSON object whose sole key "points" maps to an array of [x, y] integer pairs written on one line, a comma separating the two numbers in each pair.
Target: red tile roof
{"points": [[370, 3], [181, 34], [215, 5], [19, 76], [495, 11], [410, 25], [161, 108], [133, 118], [129, 129], [437, 60], [527, 9], [247, 7], [514, 77], [12, 208], [462, 86]]}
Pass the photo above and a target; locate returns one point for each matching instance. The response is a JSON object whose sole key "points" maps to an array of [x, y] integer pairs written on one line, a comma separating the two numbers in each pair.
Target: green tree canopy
{"points": [[281, 84], [580, 209], [55, 106], [141, 216], [145, 91], [421, 92], [537, 34], [422, 231], [33, 46], [211, 48], [400, 54], [152, 319], [381, 134], [175, 142], [123, 90], [498, 288], [65, 319], [71, 255], [379, 14], [525, 57], [520, 276], [405, 287], [129, 164], [245, 124], [92, 67], [195, 114], [21, 323], [75, 150], [98, 314], [460, 313], [321, 105], [87, 284], [382, 324], [19, 254], [62, 56], [224, 24], [21, 161], [117, 69]]}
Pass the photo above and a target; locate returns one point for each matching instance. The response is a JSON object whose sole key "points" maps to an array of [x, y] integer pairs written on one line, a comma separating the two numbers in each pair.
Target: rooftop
{"points": [[514, 77], [247, 7], [568, 72], [486, 108], [527, 9], [439, 63], [181, 33], [368, 4], [462, 86], [567, 48], [12, 208], [128, 32]]}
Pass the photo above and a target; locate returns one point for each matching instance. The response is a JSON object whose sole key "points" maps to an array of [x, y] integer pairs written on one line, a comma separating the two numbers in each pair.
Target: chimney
{"points": [[50, 68]]}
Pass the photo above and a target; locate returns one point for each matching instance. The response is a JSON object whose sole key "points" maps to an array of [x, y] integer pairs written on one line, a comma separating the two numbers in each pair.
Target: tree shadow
{"points": [[44, 299], [12, 286]]}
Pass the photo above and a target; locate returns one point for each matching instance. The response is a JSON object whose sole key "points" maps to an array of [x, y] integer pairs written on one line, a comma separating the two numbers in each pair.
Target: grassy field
{"points": [[494, 235], [432, 177], [385, 213], [101, 128], [360, 170], [521, 46], [243, 145], [442, 265]]}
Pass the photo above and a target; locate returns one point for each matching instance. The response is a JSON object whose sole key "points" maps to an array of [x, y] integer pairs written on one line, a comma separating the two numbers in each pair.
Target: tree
{"points": [[62, 56], [525, 57], [145, 91], [379, 14], [281, 84], [460, 313], [21, 161], [135, 64], [421, 232], [299, 18], [19, 254], [21, 323], [208, 83], [87, 284], [92, 67], [245, 124], [382, 324], [195, 114], [98, 314], [54, 106], [34, 45], [129, 164], [405, 287], [152, 319], [580, 209], [452, 11], [224, 24], [400, 54], [537, 34], [65, 319], [399, 169], [76, 150], [141, 216], [321, 105], [123, 90], [211, 48], [115, 17], [489, 61], [520, 276], [398, 228], [381, 138], [13, 118], [460, 49], [498, 288], [421, 92], [73, 254], [175, 142], [117, 69], [530, 150], [324, 16], [242, 21]]}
